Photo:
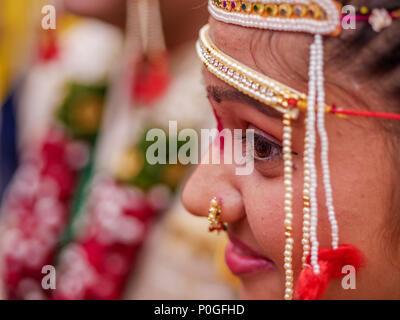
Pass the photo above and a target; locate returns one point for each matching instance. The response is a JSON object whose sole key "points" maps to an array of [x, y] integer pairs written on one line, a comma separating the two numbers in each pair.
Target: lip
{"points": [[241, 259]]}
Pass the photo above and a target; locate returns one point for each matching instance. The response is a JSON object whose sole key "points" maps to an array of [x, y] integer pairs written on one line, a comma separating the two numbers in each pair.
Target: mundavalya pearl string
{"points": [[288, 170], [324, 141], [306, 202], [311, 143], [316, 88]]}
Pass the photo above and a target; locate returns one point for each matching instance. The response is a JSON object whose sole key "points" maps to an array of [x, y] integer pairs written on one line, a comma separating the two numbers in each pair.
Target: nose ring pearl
{"points": [[214, 219]]}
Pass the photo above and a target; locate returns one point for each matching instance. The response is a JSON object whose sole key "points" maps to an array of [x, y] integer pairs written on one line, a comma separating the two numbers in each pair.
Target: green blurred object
{"points": [[145, 175], [82, 110]]}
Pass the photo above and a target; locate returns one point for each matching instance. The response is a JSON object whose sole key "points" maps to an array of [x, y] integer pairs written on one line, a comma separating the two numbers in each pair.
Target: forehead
{"points": [[282, 56]]}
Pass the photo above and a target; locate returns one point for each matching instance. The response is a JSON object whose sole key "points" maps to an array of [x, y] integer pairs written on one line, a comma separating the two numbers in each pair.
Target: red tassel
{"points": [[151, 79], [312, 286]]}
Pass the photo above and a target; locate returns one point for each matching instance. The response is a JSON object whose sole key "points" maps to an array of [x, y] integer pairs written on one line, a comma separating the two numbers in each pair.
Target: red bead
{"points": [[292, 102]]}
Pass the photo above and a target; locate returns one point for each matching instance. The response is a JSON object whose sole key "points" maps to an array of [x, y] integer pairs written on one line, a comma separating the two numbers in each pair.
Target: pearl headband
{"points": [[250, 82]]}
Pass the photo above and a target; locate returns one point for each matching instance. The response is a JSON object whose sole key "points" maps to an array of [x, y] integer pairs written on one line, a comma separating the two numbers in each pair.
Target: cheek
{"points": [[361, 182], [362, 201], [264, 211]]}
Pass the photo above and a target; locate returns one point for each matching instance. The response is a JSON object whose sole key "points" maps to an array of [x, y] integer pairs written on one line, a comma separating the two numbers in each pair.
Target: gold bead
{"points": [[258, 8], [213, 210], [287, 116], [248, 7], [271, 10], [299, 11], [364, 10], [238, 6], [302, 105], [285, 10], [315, 11]]}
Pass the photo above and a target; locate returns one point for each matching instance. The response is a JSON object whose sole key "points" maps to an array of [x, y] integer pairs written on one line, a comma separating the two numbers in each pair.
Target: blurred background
{"points": [[81, 82]]}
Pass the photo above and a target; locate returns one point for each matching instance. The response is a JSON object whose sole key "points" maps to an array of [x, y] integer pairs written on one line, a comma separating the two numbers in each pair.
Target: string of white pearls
{"points": [[311, 135], [306, 202], [324, 141], [288, 222]]}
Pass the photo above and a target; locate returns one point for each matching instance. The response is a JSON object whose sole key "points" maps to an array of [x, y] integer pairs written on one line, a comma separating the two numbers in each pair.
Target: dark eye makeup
{"points": [[264, 149], [266, 152]]}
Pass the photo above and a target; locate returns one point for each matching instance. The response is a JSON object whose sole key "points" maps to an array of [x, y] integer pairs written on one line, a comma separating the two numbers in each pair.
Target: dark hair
{"points": [[378, 52]]}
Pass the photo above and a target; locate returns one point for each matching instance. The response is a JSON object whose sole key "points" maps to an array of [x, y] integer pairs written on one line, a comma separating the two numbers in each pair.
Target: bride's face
{"points": [[361, 172]]}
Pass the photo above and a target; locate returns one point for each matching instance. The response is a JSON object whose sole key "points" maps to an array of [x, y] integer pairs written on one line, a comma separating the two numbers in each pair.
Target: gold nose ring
{"points": [[214, 217]]}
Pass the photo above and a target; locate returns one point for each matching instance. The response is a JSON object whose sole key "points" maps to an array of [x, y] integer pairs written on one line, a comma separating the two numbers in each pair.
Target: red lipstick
{"points": [[241, 259]]}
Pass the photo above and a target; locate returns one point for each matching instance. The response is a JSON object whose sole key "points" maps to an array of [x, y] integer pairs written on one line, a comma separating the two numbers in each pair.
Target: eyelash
{"points": [[260, 141]]}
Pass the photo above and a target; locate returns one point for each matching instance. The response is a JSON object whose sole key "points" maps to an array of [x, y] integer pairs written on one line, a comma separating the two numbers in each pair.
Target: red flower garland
{"points": [[36, 208], [98, 266]]}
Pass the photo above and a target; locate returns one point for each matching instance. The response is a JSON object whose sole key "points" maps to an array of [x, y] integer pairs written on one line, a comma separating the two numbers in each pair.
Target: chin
{"points": [[259, 288]]}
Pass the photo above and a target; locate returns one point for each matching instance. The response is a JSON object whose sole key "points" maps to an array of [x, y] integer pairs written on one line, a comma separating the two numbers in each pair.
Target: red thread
{"points": [[364, 113]]}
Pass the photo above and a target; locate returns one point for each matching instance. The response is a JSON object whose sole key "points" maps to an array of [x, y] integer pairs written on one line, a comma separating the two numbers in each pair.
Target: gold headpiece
{"points": [[290, 15], [250, 82]]}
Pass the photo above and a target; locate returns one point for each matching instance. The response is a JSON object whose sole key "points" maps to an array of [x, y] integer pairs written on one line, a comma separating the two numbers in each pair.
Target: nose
{"points": [[209, 181]]}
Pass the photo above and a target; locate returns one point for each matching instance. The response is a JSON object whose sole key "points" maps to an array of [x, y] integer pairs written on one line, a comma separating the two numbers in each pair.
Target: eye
{"points": [[263, 149]]}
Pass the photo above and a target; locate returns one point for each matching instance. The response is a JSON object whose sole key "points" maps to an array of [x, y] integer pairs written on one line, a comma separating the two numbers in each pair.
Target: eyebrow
{"points": [[219, 94]]}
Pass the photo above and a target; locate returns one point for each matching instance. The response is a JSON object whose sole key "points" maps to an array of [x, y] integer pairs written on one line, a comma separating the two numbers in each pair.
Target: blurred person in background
{"points": [[102, 118]]}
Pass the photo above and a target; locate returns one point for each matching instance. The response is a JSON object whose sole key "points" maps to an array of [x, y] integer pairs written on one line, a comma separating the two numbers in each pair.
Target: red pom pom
{"points": [[312, 286]]}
